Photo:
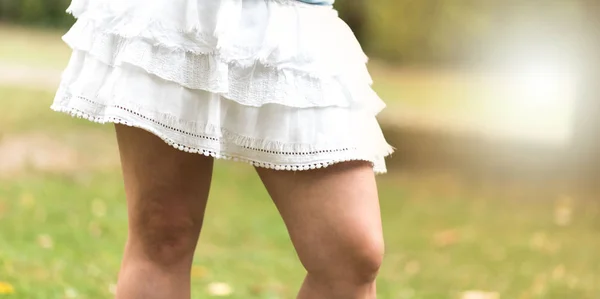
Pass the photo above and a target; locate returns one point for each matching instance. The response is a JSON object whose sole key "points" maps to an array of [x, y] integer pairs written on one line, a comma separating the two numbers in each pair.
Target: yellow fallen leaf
{"points": [[573, 282], [412, 267], [95, 229], [199, 271], [446, 238], [479, 295], [45, 241], [563, 211], [27, 200], [559, 272], [6, 288], [98, 208], [220, 289]]}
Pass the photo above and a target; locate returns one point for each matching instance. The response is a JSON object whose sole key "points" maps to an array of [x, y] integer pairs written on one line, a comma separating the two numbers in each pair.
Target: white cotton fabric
{"points": [[276, 83]]}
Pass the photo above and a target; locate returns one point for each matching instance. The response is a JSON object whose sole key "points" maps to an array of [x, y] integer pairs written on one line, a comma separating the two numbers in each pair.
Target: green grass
{"points": [[441, 238]]}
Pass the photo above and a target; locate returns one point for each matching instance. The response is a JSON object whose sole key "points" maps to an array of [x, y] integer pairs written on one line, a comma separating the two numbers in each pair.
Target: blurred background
{"points": [[493, 107]]}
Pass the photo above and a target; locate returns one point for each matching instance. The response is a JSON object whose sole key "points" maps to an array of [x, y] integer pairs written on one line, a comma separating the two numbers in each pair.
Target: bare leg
{"points": [[166, 190], [334, 221]]}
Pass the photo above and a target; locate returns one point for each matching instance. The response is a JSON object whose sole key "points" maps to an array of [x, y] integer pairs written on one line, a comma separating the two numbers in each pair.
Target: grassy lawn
{"points": [[62, 230]]}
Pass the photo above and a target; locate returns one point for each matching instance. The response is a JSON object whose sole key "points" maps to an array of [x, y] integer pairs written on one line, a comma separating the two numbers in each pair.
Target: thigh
{"points": [[166, 188], [332, 214]]}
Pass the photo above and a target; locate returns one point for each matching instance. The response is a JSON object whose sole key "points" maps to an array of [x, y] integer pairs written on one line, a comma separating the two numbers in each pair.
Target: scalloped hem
{"points": [[377, 168]]}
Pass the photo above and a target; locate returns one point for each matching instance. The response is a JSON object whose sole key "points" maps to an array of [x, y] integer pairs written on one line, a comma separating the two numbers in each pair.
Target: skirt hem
{"points": [[236, 152]]}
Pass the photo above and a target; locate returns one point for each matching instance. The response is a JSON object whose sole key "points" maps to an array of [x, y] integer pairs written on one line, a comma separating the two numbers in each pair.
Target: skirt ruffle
{"points": [[279, 84]]}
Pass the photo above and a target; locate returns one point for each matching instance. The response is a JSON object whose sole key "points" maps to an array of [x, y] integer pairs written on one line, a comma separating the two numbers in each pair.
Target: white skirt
{"points": [[276, 83]]}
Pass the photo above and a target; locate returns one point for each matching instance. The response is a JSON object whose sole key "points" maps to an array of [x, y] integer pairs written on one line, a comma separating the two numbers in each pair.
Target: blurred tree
{"points": [[32, 11], [431, 31], [354, 12], [8, 8], [36, 12]]}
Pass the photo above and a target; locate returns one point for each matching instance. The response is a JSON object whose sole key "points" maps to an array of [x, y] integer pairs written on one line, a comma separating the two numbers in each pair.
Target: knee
{"points": [[168, 244], [358, 264], [366, 261], [164, 239]]}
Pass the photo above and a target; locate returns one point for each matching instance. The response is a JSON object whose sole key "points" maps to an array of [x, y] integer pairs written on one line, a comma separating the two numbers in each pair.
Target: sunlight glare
{"points": [[536, 102]]}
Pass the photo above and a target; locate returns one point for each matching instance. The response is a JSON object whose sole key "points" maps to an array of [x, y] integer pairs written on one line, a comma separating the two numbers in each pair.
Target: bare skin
{"points": [[166, 193], [332, 216]]}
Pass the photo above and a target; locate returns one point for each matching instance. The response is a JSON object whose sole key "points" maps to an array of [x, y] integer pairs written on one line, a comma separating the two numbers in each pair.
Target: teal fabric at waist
{"points": [[318, 2]]}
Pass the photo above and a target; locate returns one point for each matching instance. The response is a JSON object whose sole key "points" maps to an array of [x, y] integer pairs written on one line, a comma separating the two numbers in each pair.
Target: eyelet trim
{"points": [[210, 153], [140, 115]]}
